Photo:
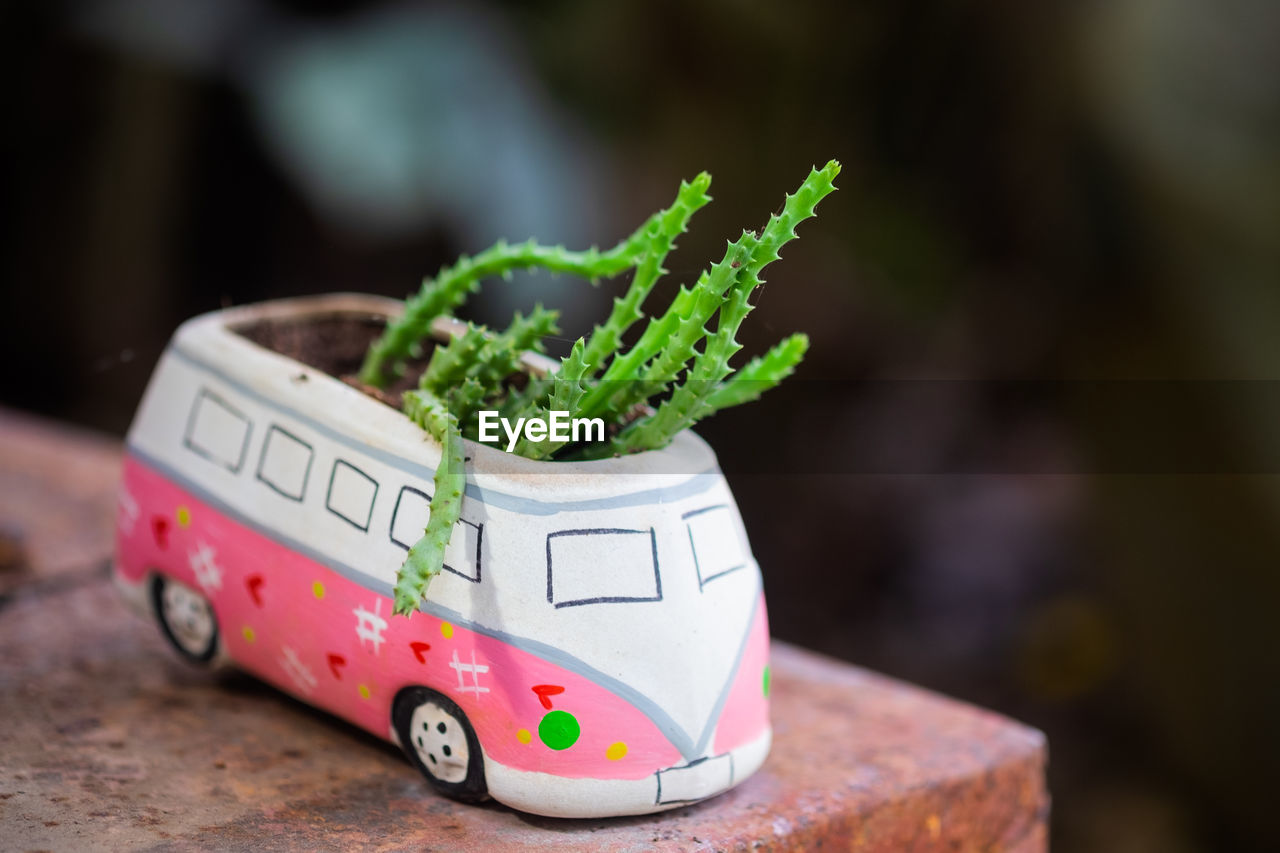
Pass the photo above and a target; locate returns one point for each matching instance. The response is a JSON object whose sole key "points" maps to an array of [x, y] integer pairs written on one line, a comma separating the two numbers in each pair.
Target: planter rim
{"points": [[687, 454]]}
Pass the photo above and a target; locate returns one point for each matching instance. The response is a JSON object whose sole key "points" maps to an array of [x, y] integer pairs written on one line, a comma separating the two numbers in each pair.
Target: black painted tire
{"points": [[186, 619], [439, 740]]}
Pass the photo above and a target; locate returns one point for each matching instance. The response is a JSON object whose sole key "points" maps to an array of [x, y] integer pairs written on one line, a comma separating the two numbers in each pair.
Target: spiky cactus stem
{"points": [[426, 557], [760, 374], [675, 335], [689, 401], [450, 362], [450, 287], [472, 370], [499, 356], [667, 226], [566, 394]]}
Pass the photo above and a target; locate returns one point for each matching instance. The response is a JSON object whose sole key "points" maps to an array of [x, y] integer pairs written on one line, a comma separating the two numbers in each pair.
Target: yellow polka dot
{"points": [[364, 691], [248, 634], [446, 630], [615, 751], [184, 516], [523, 736], [317, 589]]}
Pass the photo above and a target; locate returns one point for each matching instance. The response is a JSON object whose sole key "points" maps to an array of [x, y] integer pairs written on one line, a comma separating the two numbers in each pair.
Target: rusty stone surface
{"points": [[57, 493], [109, 741]]}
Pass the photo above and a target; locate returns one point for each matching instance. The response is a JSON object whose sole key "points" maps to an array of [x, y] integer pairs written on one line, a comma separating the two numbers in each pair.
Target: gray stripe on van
{"points": [[696, 484], [670, 729]]}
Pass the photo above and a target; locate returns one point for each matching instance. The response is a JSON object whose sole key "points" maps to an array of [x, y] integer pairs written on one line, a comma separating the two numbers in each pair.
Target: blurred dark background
{"points": [[1039, 201]]}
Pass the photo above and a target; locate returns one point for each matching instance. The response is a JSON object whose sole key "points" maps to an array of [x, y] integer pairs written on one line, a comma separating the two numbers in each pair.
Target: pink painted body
{"points": [[221, 517], [271, 597]]}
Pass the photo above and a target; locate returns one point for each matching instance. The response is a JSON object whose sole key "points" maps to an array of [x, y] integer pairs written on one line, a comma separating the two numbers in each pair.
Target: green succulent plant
{"points": [[600, 377]]}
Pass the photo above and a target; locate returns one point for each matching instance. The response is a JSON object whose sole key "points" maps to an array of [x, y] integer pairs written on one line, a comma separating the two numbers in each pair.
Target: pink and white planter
{"points": [[597, 646]]}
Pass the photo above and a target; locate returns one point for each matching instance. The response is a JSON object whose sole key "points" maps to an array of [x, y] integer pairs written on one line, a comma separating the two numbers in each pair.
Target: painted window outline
{"points": [[604, 599], [328, 498], [659, 801], [306, 474], [702, 582], [204, 453], [391, 533]]}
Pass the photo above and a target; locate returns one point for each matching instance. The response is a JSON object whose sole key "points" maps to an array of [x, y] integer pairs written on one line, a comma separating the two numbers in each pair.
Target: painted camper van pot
{"points": [[595, 645]]}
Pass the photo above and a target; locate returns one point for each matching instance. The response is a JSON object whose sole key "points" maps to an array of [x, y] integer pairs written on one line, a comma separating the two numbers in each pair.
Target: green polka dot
{"points": [[559, 729], [766, 681]]}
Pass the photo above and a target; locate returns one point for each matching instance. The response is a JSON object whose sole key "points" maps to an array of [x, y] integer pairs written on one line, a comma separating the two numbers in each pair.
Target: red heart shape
{"points": [[253, 582], [419, 650], [160, 530], [336, 661]]}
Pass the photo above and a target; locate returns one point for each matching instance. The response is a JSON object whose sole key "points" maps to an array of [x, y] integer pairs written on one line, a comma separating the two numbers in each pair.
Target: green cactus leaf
{"points": [[566, 392], [426, 556], [682, 357]]}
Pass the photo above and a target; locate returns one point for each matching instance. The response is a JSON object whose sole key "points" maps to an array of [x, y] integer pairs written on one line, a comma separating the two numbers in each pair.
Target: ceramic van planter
{"points": [[597, 644]]}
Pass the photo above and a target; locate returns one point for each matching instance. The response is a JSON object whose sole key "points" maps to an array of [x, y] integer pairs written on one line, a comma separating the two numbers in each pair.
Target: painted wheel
{"points": [[440, 742], [186, 619]]}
